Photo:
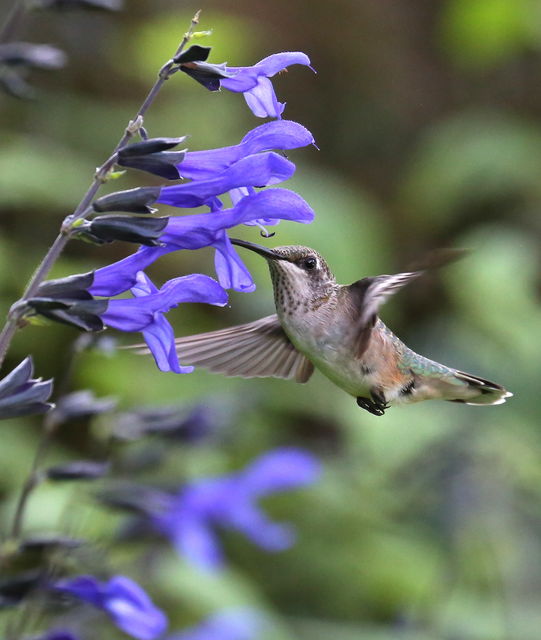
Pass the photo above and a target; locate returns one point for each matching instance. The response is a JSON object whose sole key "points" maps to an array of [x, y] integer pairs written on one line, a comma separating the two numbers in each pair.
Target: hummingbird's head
{"points": [[299, 274]]}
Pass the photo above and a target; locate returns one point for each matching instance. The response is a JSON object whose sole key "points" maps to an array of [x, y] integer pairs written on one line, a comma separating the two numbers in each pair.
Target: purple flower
{"points": [[21, 394], [71, 301], [123, 600], [278, 134], [230, 502], [254, 82], [145, 312], [257, 170], [232, 624], [202, 230]]}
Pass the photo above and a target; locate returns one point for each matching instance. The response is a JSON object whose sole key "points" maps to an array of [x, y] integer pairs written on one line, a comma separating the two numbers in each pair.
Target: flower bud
{"points": [[138, 229], [84, 315], [72, 287], [152, 145], [161, 164], [78, 470], [22, 395], [136, 200]]}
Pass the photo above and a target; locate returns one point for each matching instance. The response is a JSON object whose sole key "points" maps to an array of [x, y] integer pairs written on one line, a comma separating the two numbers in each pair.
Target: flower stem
{"points": [[50, 424], [10, 328], [13, 21]]}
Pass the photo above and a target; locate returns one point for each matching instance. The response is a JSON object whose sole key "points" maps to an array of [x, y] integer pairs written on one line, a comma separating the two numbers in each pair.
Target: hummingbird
{"points": [[336, 329]]}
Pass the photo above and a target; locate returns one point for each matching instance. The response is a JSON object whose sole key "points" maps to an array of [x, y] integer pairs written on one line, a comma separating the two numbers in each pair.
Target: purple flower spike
{"points": [[231, 624], [280, 134], [145, 312], [194, 232], [123, 600], [254, 82], [259, 170], [203, 230], [191, 517]]}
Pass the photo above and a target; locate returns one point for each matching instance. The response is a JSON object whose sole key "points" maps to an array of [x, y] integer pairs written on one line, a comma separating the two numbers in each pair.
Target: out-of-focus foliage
{"points": [[427, 521]]}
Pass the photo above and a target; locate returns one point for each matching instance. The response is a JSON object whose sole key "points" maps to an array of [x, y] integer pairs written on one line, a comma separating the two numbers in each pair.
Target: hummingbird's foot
{"points": [[376, 406]]}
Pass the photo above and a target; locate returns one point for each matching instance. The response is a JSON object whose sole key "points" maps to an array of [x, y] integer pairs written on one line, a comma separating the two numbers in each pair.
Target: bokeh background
{"points": [[426, 522]]}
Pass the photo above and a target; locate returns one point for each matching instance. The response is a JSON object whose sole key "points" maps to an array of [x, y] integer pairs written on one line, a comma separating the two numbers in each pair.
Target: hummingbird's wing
{"points": [[368, 295], [257, 349]]}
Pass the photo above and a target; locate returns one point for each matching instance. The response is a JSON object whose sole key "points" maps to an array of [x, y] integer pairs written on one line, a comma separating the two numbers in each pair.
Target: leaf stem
{"points": [[12, 323]]}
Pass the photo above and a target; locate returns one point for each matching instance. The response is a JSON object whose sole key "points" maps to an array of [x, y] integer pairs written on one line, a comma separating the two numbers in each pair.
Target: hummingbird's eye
{"points": [[309, 263]]}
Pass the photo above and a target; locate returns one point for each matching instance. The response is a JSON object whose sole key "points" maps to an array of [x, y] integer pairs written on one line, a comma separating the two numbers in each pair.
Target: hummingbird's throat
{"points": [[295, 291]]}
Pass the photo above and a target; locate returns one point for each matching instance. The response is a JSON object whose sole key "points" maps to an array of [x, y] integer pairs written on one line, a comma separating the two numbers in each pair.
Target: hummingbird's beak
{"points": [[269, 254]]}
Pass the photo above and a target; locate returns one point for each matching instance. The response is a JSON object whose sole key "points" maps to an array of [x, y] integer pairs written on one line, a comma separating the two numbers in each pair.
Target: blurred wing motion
{"points": [[369, 294], [373, 292], [257, 349]]}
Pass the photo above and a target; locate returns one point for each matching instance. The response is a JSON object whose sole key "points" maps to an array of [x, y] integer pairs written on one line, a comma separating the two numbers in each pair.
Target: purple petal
{"points": [[281, 134], [230, 269], [276, 62], [239, 193], [159, 334], [250, 520], [124, 600], [205, 165], [160, 339], [280, 470], [143, 285], [195, 540], [85, 588], [257, 170], [204, 229], [132, 610], [246, 77], [285, 134], [137, 313], [235, 624], [193, 288], [262, 100], [120, 276]]}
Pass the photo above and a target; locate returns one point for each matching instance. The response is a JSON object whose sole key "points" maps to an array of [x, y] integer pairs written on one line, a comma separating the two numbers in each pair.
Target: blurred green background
{"points": [[427, 521]]}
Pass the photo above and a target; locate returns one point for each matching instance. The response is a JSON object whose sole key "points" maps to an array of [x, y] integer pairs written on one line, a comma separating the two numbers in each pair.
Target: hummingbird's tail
{"points": [[489, 393]]}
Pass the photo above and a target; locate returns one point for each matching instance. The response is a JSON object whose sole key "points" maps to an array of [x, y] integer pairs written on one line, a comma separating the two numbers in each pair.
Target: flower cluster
{"points": [[190, 517], [89, 301], [238, 186]]}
